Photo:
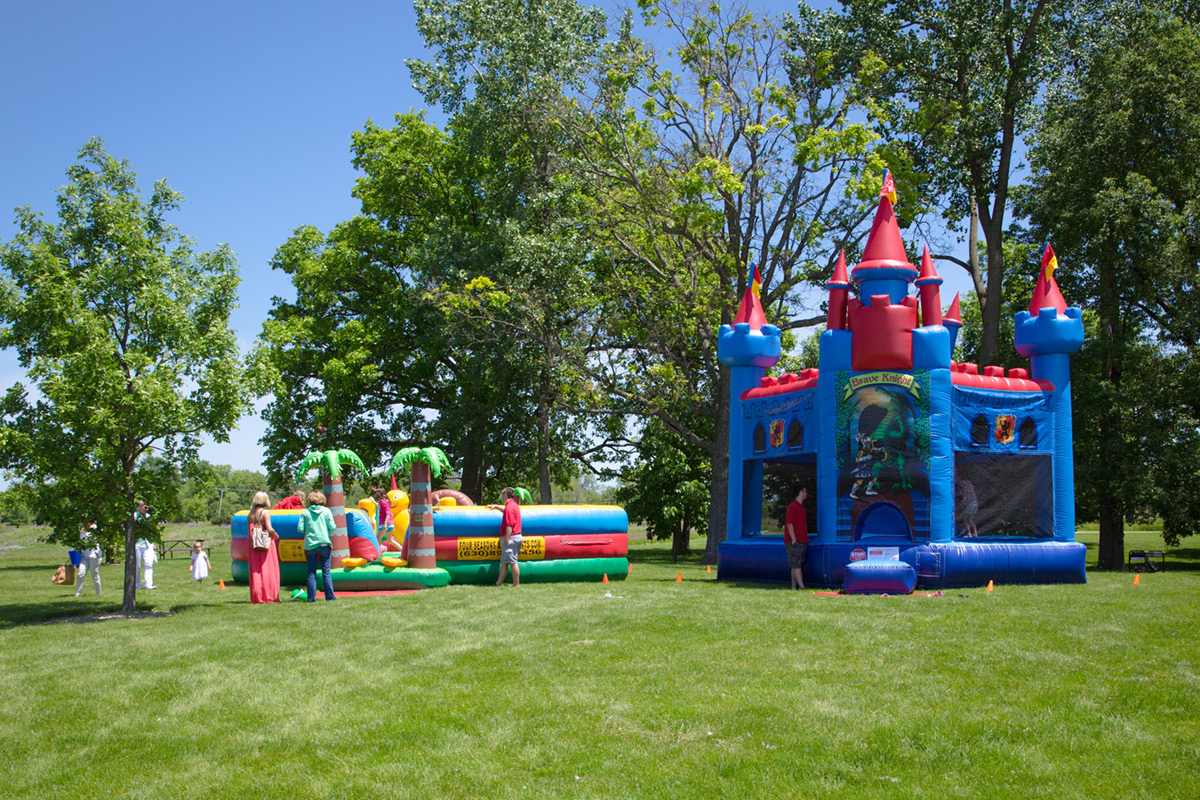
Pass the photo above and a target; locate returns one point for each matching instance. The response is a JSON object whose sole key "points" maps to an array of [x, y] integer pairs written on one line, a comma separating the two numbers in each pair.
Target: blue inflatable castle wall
{"points": [[964, 475]]}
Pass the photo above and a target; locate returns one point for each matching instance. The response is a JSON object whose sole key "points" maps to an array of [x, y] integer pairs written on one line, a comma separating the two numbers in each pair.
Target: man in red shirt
{"points": [[795, 536], [510, 537]]}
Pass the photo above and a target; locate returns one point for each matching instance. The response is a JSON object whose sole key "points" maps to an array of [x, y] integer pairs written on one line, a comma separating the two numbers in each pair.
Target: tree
{"points": [[753, 152], [501, 68], [1114, 182], [425, 464], [373, 347], [962, 77], [666, 489], [123, 331]]}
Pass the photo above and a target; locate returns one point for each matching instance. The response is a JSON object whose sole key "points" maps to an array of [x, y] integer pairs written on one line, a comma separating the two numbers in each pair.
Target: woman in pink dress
{"points": [[264, 564]]}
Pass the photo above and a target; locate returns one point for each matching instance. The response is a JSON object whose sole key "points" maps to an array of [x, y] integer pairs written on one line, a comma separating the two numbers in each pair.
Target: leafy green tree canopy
{"points": [[1115, 168], [123, 330]]}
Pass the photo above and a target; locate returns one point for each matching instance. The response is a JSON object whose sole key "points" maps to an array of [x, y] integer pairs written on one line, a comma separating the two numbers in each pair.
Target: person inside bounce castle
{"points": [[293, 502], [967, 504], [386, 525]]}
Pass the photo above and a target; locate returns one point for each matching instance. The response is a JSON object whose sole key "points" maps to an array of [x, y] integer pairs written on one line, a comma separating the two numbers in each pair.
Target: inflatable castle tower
{"points": [[952, 474]]}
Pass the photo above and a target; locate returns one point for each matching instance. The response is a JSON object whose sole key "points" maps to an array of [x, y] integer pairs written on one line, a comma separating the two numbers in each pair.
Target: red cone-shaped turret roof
{"points": [[751, 311], [839, 280], [1046, 293], [929, 273], [885, 248], [954, 315]]}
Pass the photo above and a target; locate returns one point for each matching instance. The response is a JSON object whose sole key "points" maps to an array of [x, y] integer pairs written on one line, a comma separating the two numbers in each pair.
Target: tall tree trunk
{"points": [[991, 302], [718, 483], [1111, 551], [681, 544], [129, 595], [543, 429], [472, 471], [335, 500], [421, 553]]}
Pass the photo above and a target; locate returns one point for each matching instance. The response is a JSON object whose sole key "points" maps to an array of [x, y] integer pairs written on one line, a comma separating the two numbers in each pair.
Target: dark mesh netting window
{"points": [[795, 436], [1028, 434], [1003, 495], [760, 439], [780, 479], [979, 431]]}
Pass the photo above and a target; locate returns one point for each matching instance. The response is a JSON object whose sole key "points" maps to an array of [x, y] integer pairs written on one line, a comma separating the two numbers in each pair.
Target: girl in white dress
{"points": [[200, 564]]}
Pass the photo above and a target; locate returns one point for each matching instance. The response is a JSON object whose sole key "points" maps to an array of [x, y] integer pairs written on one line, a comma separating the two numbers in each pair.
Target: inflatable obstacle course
{"points": [[371, 575], [559, 543]]}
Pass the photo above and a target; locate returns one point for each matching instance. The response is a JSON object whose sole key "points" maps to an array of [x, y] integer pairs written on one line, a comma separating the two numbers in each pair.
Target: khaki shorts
{"points": [[510, 550]]}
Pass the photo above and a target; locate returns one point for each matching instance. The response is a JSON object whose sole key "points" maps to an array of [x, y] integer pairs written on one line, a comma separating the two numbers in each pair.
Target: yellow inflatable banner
{"points": [[291, 550], [488, 549]]}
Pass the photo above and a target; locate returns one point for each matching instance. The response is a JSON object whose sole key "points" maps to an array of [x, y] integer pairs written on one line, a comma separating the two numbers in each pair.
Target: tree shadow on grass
{"points": [[14, 615]]}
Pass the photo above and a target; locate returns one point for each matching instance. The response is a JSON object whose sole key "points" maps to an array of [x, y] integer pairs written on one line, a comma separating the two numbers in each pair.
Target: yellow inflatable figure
{"points": [[399, 501], [367, 505]]}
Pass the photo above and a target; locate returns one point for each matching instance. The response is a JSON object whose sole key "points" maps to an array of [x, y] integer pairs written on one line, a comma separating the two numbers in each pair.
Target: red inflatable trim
{"points": [[558, 546]]}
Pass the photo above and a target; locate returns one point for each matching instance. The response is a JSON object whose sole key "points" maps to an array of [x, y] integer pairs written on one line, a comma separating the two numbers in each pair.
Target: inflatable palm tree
{"points": [[422, 461], [330, 463]]}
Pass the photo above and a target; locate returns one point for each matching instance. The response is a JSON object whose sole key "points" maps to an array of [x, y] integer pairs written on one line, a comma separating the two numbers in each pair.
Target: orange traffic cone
{"points": [[679, 578], [221, 583], [708, 570], [605, 578], [990, 587], [1137, 580], [630, 570]]}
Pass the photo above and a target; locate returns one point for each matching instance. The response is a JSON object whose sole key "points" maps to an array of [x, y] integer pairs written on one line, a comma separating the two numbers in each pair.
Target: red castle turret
{"points": [[952, 320], [931, 299], [751, 309], [883, 326], [1046, 293], [839, 288]]}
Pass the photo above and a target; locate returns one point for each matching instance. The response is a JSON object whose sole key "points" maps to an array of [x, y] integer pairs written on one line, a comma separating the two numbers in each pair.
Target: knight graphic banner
{"points": [[904, 381]]}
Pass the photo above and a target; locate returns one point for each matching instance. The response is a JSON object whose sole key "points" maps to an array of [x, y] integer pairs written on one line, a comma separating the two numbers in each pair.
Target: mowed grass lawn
{"points": [[645, 688]]}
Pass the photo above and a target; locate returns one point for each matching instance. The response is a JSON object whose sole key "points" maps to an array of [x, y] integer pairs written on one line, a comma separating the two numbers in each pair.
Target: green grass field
{"points": [[645, 688]]}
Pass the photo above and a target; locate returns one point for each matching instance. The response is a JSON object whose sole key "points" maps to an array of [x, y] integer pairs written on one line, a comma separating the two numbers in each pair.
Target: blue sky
{"points": [[245, 107]]}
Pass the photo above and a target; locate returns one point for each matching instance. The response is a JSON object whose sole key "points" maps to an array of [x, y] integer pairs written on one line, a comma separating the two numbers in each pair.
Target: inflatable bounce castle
{"points": [[921, 470]]}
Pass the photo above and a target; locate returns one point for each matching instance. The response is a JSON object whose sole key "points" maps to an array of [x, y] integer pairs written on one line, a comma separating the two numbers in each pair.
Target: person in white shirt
{"points": [[90, 556], [147, 554]]}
